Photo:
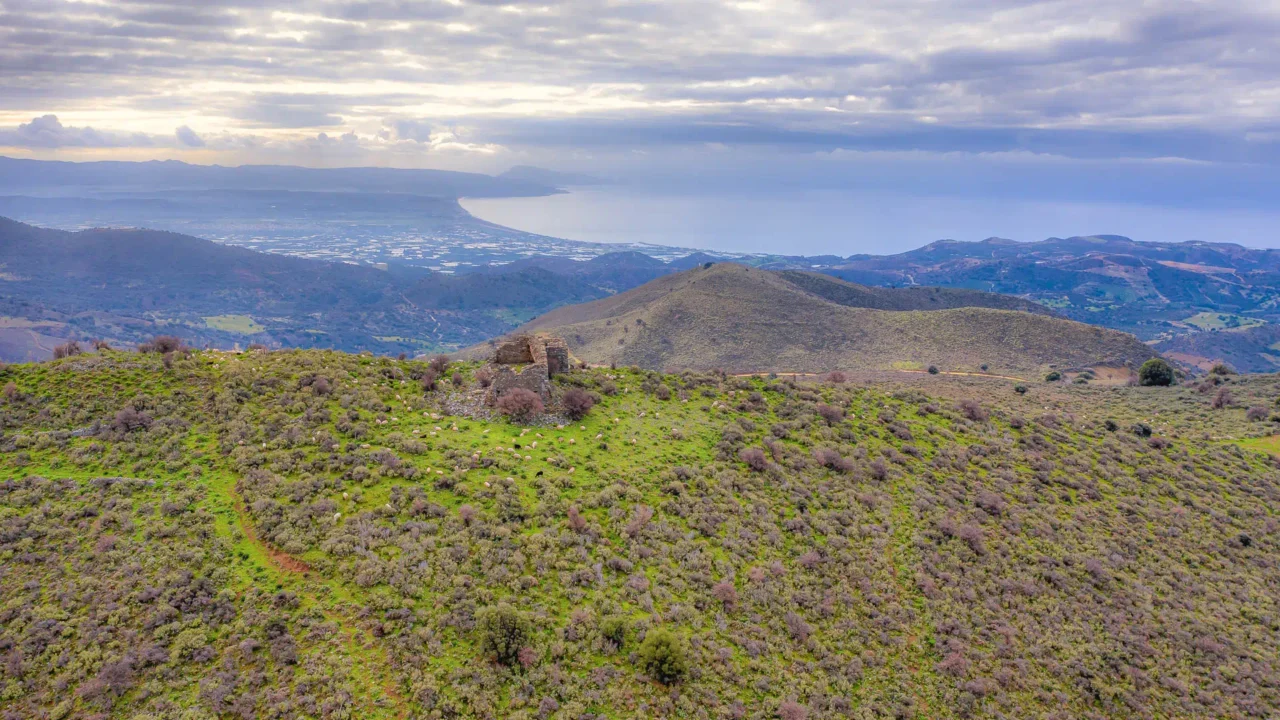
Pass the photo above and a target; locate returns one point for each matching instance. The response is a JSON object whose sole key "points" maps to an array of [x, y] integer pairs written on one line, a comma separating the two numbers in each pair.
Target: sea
{"points": [[847, 222]]}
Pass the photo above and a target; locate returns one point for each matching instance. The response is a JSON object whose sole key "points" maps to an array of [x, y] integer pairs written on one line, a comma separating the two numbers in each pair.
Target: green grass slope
{"points": [[308, 534], [746, 320]]}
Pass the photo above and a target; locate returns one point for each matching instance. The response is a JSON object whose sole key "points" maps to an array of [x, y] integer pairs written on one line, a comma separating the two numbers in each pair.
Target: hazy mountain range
{"points": [[45, 177], [125, 285], [1197, 302]]}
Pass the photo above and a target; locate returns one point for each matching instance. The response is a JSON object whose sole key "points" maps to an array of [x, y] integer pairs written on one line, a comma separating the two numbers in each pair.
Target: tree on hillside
{"points": [[162, 344], [504, 632], [663, 657], [1156, 372]]}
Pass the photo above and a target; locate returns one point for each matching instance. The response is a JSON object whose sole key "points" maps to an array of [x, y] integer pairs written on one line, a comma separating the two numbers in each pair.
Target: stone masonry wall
{"points": [[545, 356]]}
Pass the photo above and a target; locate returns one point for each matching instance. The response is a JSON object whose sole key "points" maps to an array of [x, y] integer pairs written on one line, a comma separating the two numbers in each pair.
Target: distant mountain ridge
{"points": [[125, 285], [22, 176], [740, 319], [1150, 289]]}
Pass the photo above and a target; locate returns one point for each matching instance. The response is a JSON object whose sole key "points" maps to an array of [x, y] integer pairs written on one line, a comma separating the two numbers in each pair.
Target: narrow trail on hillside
{"points": [[280, 559], [918, 657], [354, 636], [964, 374], [371, 663], [782, 373]]}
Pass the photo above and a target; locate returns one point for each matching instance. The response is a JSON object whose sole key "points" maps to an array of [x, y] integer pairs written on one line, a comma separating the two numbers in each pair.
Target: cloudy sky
{"points": [[1154, 102]]}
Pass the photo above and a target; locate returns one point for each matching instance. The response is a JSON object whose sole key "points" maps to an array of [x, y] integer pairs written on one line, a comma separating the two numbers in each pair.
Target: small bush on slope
{"points": [[520, 405], [577, 403]]}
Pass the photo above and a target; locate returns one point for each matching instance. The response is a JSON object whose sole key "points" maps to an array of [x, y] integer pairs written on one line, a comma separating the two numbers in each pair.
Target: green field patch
{"points": [[1270, 444], [242, 324], [515, 316], [1222, 321]]}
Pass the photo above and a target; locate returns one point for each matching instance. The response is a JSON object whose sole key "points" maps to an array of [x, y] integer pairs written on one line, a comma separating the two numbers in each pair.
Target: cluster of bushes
{"points": [[146, 620]]}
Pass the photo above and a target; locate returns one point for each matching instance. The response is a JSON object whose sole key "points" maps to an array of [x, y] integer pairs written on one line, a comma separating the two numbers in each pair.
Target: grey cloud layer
{"points": [[1082, 78], [47, 131]]}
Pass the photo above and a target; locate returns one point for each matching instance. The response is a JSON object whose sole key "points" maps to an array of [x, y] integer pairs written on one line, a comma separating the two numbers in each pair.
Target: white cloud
{"points": [[1164, 76]]}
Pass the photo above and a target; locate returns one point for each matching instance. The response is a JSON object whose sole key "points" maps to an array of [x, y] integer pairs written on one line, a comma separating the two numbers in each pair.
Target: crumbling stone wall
{"points": [[545, 356], [516, 351], [557, 356], [533, 378]]}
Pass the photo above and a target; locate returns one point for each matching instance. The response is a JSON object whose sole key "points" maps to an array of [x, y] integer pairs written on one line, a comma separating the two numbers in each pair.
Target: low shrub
{"points": [[162, 344], [754, 458], [973, 410], [1224, 399], [69, 349], [832, 460], [832, 415], [520, 405], [577, 403], [430, 380], [614, 629]]}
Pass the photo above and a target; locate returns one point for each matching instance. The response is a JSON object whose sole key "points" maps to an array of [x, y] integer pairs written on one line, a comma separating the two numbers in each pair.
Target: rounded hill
{"points": [[749, 320]]}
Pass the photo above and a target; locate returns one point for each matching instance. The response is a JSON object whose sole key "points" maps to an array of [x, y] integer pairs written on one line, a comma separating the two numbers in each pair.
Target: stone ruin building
{"points": [[542, 357]]}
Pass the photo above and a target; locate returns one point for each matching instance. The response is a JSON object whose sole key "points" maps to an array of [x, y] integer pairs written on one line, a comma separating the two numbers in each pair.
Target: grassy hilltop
{"points": [[311, 534], [749, 320]]}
